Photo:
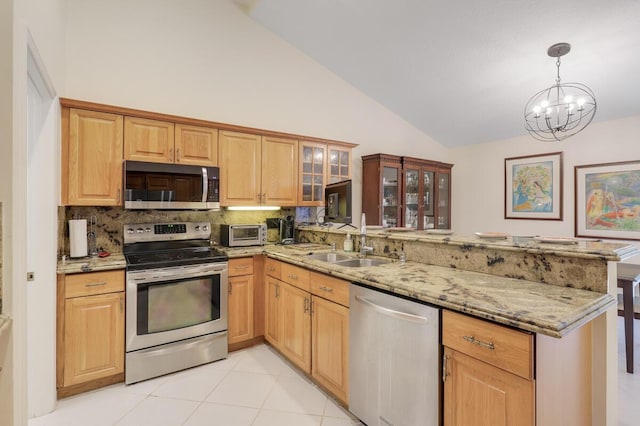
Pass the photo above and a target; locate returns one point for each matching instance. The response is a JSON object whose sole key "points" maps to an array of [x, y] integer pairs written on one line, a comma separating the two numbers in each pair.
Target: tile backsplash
{"points": [[110, 222]]}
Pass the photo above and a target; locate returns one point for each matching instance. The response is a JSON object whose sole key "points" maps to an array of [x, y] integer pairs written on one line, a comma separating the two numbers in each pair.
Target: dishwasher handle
{"points": [[391, 312]]}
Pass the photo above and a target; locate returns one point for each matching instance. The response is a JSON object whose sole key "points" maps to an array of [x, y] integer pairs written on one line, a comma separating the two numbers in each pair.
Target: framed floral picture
{"points": [[533, 187], [608, 200]]}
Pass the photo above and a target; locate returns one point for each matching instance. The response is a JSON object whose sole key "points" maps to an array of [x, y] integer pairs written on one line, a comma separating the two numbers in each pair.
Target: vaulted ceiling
{"points": [[462, 71]]}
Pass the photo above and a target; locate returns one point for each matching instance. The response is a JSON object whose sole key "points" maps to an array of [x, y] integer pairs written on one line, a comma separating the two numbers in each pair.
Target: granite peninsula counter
{"points": [[549, 289]]}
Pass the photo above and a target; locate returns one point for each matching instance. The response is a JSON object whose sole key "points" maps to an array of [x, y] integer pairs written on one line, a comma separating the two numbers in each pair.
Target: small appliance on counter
{"points": [[287, 230], [243, 235]]}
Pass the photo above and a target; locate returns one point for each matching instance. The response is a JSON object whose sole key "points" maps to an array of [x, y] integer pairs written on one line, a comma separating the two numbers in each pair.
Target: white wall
{"points": [[207, 59], [478, 176], [38, 25]]}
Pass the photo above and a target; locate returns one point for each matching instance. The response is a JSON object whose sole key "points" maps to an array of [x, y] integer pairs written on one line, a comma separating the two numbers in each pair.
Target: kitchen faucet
{"points": [[364, 249]]}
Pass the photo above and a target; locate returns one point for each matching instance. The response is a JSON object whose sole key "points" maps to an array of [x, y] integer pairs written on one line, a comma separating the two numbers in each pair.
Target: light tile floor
{"points": [[254, 387]]}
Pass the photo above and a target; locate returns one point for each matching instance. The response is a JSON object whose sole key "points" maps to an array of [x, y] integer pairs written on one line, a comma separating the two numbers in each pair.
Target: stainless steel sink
{"points": [[361, 263], [329, 257]]}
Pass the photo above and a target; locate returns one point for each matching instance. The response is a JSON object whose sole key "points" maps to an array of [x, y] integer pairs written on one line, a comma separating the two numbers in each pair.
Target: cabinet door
{"points": [[279, 172], [295, 319], [312, 174], [196, 145], [92, 165], [94, 337], [240, 157], [272, 311], [479, 394], [240, 308], [148, 140], [411, 195], [444, 200], [330, 346], [339, 164]]}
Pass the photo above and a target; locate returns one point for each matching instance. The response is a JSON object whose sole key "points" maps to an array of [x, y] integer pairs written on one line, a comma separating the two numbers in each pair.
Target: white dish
{"points": [[492, 235], [439, 231], [556, 240]]}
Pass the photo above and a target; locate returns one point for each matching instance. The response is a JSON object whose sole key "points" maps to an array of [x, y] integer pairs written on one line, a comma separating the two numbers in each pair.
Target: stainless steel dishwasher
{"points": [[394, 359]]}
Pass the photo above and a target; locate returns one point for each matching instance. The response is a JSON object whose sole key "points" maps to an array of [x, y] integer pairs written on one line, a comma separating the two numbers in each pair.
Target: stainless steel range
{"points": [[176, 294]]}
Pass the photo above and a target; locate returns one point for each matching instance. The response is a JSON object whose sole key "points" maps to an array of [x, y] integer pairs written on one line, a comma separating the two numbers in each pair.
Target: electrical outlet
{"points": [[273, 223]]}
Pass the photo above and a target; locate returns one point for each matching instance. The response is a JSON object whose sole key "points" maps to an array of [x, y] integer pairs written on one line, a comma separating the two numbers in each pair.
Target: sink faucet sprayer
{"points": [[364, 249]]}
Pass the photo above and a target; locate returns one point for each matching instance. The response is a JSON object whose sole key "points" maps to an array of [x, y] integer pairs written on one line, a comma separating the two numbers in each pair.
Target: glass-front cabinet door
{"points": [[444, 201], [426, 217], [390, 196], [312, 174], [339, 164], [411, 198]]}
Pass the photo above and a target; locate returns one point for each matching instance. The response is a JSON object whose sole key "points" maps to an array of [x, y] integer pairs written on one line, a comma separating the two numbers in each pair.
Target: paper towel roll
{"points": [[78, 237]]}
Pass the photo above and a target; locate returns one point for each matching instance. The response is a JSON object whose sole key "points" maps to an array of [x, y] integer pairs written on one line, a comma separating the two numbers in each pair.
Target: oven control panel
{"points": [[144, 232]]}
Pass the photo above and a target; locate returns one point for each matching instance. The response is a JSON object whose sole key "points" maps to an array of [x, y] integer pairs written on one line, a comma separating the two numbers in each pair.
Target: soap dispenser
{"points": [[348, 242]]}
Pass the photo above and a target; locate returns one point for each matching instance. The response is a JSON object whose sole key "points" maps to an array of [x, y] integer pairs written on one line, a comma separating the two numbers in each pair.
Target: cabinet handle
{"points": [[237, 268], [171, 154], [306, 305], [178, 155], [277, 291], [471, 339], [121, 303], [119, 195], [293, 277], [312, 302], [327, 289], [445, 373], [97, 284], [230, 288]]}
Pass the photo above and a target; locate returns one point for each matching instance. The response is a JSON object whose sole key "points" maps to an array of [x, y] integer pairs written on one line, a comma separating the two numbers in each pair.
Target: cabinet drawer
{"points": [[242, 266], [294, 275], [91, 283], [503, 347], [272, 268], [330, 288]]}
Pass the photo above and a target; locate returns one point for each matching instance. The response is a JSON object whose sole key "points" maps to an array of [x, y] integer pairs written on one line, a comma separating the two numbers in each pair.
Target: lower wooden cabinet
{"points": [[476, 393], [310, 328], [330, 346], [90, 335], [488, 373], [240, 301]]}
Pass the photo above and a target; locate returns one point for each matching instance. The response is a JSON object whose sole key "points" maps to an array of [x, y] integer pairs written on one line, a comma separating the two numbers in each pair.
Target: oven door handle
{"points": [[145, 276]]}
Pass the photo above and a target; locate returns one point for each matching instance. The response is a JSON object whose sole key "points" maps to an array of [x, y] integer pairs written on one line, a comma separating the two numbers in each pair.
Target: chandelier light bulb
{"points": [[561, 118]]}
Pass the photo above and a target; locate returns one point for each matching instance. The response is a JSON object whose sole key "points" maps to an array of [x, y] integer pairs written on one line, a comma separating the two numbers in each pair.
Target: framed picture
{"points": [[533, 187], [608, 200]]}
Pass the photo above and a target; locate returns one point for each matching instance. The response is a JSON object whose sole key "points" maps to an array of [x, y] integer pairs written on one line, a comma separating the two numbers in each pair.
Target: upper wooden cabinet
{"points": [[339, 163], [407, 192], [91, 158], [312, 176], [196, 145], [258, 170], [148, 140], [165, 142]]}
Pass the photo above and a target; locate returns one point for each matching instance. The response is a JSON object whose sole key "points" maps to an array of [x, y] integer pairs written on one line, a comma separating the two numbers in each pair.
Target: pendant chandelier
{"points": [[562, 110]]}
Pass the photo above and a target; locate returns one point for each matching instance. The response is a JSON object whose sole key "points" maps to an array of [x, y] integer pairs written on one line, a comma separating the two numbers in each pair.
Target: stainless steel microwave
{"points": [[243, 235], [171, 186]]}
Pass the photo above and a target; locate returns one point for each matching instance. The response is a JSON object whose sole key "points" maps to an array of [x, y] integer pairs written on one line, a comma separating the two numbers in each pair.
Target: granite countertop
{"points": [[579, 247], [536, 307], [91, 264]]}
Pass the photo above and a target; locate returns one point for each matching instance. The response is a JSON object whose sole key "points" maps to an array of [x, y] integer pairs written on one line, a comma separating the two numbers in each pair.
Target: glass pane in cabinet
{"points": [[334, 156], [443, 201], [344, 158], [335, 170], [411, 183], [306, 193], [317, 180], [427, 193], [307, 154], [344, 171], [390, 196], [307, 167], [318, 192], [317, 168], [306, 179]]}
